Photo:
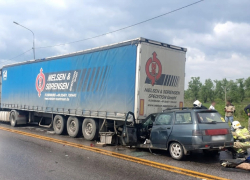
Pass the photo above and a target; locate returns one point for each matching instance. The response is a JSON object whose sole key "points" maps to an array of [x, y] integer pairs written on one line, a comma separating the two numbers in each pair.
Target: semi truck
{"points": [[90, 92]]}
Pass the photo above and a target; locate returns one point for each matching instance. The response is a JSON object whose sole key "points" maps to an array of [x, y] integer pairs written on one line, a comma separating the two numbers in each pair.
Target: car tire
{"points": [[176, 151], [74, 126], [13, 121], [89, 129], [59, 124]]}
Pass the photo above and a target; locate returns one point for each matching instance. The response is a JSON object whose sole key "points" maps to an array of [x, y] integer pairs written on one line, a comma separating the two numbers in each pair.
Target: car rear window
{"points": [[210, 117]]}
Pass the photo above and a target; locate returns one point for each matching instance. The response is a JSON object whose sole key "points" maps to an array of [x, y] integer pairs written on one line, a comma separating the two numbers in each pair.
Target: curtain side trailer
{"points": [[91, 91]]}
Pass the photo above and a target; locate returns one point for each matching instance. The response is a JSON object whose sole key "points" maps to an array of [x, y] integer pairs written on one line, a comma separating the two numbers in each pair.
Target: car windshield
{"points": [[149, 120], [210, 117]]}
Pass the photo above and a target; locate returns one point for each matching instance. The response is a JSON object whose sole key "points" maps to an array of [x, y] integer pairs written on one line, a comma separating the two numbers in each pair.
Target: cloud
{"points": [[222, 53], [57, 3], [228, 36], [233, 67], [215, 33]]}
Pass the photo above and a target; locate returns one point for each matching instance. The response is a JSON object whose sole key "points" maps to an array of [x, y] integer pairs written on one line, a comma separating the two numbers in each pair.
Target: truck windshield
{"points": [[210, 117]]}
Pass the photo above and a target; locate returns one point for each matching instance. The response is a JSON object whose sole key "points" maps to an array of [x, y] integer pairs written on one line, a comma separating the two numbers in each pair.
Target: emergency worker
{"points": [[198, 104], [241, 139]]}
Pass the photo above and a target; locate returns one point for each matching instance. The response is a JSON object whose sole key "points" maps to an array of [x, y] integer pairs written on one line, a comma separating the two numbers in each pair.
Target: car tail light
{"points": [[211, 132], [214, 132]]}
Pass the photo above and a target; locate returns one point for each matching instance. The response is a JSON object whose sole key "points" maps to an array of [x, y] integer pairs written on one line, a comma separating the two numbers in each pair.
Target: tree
{"points": [[226, 87], [187, 94], [241, 91], [232, 94], [194, 87], [247, 87], [207, 91], [219, 90]]}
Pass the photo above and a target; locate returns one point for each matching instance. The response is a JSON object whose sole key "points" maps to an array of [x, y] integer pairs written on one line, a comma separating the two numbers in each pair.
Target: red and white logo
{"points": [[40, 82], [153, 68]]}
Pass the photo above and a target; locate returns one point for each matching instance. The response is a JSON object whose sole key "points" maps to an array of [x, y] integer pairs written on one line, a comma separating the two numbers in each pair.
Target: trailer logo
{"points": [[5, 75], [153, 68], [40, 82]]}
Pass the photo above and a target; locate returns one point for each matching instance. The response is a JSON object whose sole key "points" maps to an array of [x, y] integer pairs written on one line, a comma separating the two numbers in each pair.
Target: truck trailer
{"points": [[92, 91]]}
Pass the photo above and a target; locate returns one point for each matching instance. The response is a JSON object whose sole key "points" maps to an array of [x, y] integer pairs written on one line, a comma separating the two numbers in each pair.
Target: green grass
{"points": [[239, 115]]}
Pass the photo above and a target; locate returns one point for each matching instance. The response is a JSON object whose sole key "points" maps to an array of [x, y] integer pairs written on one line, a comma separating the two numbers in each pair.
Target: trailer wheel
{"points": [[73, 126], [90, 129], [59, 124], [13, 121]]}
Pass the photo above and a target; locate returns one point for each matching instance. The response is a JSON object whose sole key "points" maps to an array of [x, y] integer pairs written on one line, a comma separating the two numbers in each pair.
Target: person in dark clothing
{"points": [[247, 111]]}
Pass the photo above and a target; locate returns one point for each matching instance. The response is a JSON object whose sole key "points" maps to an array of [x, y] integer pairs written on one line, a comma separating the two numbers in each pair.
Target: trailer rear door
{"points": [[161, 73]]}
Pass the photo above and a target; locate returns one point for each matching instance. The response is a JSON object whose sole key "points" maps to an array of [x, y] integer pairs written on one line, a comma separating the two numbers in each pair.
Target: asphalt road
{"points": [[23, 157]]}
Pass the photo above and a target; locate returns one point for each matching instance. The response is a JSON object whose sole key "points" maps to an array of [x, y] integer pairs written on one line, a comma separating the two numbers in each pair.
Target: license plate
{"points": [[218, 138]]}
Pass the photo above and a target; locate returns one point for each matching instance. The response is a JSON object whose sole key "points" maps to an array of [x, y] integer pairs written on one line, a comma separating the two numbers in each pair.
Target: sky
{"points": [[216, 33]]}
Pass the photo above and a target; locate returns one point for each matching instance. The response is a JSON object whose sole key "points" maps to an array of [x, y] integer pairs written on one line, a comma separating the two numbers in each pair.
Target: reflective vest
{"points": [[241, 133]]}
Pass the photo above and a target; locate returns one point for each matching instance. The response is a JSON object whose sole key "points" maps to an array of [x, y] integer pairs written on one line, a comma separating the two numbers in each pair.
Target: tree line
{"points": [[234, 90]]}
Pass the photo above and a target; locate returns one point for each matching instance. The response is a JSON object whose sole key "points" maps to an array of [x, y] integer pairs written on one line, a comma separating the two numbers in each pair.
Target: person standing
{"points": [[229, 112], [212, 106], [247, 111]]}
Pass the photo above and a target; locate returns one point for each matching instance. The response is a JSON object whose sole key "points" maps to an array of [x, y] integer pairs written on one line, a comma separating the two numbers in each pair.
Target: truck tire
{"points": [[74, 126], [59, 124], [90, 129], [176, 151], [13, 121]]}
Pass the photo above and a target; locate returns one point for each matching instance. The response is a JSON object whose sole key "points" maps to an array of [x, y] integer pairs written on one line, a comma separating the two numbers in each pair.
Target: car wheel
{"points": [[176, 151], [59, 124], [73, 126], [89, 129]]}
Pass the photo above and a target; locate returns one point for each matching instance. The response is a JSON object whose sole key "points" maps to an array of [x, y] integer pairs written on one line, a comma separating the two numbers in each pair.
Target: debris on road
{"points": [[99, 144], [51, 132]]}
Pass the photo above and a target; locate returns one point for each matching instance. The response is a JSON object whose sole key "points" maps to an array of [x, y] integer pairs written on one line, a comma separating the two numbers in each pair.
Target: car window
{"points": [[164, 119], [183, 118], [150, 120], [209, 117]]}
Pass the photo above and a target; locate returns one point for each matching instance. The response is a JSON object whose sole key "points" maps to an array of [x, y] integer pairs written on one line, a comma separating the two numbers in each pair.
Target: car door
{"points": [[183, 128], [161, 130], [129, 132]]}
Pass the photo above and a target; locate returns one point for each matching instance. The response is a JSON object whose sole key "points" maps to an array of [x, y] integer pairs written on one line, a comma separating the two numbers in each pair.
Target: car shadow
{"points": [[195, 156]]}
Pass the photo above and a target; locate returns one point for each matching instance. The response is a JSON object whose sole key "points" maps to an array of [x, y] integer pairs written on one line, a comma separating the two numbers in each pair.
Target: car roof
{"points": [[186, 110]]}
